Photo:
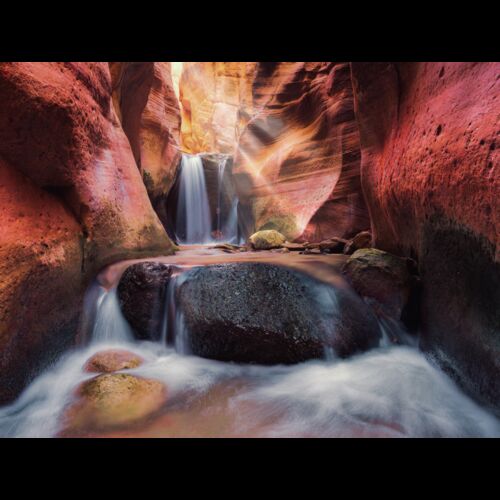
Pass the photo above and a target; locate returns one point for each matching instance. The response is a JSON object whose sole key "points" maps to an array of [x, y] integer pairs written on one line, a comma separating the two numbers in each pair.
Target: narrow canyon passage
{"points": [[253, 249]]}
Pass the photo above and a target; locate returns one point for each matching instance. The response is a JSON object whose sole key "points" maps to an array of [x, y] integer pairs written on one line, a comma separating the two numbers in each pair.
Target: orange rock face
{"points": [[71, 201], [430, 176], [215, 98], [297, 161]]}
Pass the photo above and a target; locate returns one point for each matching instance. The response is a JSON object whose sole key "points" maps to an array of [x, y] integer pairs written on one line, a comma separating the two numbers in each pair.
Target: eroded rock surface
{"points": [[149, 112], [429, 134], [72, 200], [298, 158]]}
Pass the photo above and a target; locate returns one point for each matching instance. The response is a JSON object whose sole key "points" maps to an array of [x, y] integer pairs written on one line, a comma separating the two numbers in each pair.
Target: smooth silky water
{"points": [[193, 220], [193, 209], [390, 391]]}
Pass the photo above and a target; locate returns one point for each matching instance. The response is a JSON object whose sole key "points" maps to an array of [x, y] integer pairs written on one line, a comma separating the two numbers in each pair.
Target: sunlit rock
{"points": [[265, 240], [215, 98], [297, 162]]}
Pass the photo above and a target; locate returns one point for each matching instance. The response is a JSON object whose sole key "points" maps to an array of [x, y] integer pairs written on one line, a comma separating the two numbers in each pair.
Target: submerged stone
{"points": [[267, 314], [112, 360], [114, 400]]}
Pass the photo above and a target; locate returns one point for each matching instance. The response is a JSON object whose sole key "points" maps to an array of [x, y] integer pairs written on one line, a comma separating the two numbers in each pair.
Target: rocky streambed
{"points": [[244, 344]]}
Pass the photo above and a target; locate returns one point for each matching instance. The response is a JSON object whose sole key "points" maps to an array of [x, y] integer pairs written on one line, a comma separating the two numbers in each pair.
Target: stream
{"points": [[389, 391]]}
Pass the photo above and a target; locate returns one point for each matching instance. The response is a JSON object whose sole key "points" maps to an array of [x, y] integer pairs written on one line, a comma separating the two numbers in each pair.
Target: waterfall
{"points": [[227, 226], [220, 186], [110, 325], [193, 210]]}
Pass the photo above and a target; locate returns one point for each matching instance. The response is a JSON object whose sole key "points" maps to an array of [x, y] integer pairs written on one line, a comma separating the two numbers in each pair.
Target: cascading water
{"points": [[391, 391], [220, 185], [193, 210], [193, 219], [227, 224]]}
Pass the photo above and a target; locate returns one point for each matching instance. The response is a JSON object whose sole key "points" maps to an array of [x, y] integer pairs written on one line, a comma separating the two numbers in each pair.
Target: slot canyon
{"points": [[249, 249]]}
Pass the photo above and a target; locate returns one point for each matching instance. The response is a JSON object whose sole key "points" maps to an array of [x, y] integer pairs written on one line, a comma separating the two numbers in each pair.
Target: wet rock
{"points": [[262, 313], [311, 251], [141, 293], [114, 400], [265, 240], [310, 246], [280, 250], [293, 247], [333, 245], [227, 246], [383, 277], [361, 240], [112, 360]]}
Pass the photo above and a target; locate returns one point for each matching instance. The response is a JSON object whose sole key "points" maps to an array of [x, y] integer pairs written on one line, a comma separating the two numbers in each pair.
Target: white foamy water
{"points": [[110, 325], [391, 391], [193, 210]]}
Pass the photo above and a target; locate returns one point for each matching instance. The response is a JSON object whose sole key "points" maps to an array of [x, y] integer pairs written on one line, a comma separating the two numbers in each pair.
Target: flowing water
{"points": [[193, 220], [193, 209], [227, 224], [390, 391]]}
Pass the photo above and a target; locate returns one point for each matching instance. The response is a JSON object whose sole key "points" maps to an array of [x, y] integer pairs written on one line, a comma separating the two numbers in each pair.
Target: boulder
{"points": [[114, 400], [262, 313], [142, 294], [112, 360], [383, 277], [267, 239]]}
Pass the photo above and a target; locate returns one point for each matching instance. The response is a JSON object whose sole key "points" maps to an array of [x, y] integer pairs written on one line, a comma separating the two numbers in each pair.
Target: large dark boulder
{"points": [[262, 313], [142, 293]]}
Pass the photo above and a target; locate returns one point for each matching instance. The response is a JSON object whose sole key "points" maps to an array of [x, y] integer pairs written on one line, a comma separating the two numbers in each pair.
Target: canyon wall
{"points": [[72, 200], [430, 176], [149, 112], [297, 162], [215, 98]]}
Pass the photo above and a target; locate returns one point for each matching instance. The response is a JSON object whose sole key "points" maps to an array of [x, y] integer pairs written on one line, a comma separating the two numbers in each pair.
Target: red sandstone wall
{"points": [[71, 200], [430, 176]]}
